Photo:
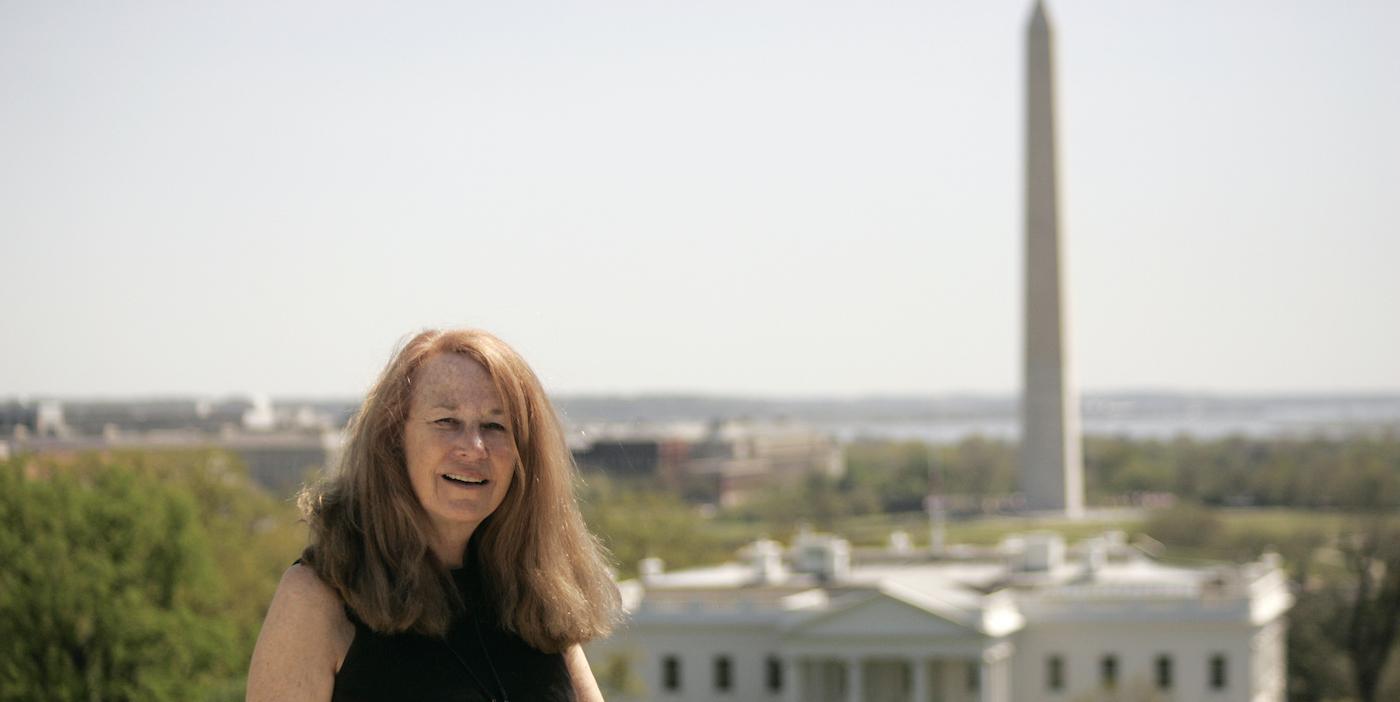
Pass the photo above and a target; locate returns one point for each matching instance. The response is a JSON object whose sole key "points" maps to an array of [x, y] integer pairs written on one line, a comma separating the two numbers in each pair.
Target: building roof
{"points": [[993, 594]]}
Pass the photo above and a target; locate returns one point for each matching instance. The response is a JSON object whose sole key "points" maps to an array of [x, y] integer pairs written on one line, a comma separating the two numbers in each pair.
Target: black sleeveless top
{"points": [[381, 667]]}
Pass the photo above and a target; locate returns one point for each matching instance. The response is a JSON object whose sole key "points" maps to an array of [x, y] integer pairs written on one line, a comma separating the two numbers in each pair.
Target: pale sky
{"points": [[729, 196]]}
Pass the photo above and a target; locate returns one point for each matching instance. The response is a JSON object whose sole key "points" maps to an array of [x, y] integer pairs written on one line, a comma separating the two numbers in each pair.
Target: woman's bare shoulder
{"points": [[301, 586], [303, 640]]}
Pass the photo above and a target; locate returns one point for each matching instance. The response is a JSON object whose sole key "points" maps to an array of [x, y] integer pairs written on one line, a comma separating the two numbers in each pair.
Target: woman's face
{"points": [[458, 445]]}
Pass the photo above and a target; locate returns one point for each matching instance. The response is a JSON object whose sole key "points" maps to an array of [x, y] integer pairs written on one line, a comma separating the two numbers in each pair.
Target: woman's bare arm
{"points": [[585, 686], [303, 641]]}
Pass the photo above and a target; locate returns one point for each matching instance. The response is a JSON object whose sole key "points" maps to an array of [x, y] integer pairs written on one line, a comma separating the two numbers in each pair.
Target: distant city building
{"points": [[18, 419], [656, 460], [96, 417], [281, 444], [724, 462], [283, 461], [1030, 620], [737, 458], [278, 461]]}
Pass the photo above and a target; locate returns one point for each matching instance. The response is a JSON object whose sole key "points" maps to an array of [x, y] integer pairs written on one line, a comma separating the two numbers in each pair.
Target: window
{"points": [[1055, 673], [723, 681], [1164, 672], [1108, 671], [1218, 678], [670, 673], [774, 674]]}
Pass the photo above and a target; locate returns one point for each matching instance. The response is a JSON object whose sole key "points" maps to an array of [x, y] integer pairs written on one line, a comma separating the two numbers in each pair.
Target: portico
{"points": [[910, 678], [882, 647]]}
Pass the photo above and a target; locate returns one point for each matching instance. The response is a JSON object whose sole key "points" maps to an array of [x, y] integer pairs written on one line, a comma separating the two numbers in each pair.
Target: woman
{"points": [[448, 559]]}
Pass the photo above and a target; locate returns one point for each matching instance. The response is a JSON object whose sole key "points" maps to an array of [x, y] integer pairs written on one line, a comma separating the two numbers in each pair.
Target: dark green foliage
{"points": [[1343, 629], [1372, 619], [1317, 667], [108, 590]]}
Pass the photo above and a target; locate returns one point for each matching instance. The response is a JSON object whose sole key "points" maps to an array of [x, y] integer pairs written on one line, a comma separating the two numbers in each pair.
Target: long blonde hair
{"points": [[370, 536]]}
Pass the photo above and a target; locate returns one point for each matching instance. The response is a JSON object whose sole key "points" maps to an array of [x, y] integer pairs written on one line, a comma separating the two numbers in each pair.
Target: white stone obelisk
{"points": [[1052, 469]]}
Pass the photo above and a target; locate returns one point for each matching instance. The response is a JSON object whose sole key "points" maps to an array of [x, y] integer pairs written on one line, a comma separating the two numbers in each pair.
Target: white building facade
{"points": [[1028, 621]]}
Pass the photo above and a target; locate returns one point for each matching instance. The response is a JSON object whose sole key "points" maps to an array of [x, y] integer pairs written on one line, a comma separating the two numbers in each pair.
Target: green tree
{"points": [[108, 590], [895, 474], [1372, 616], [636, 524], [252, 536], [978, 467]]}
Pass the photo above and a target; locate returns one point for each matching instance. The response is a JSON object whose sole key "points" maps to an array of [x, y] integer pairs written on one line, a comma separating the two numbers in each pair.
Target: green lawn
{"points": [[1285, 521]]}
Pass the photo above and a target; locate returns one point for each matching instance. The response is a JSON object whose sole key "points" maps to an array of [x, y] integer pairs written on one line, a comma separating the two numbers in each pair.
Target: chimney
{"points": [[823, 555], [766, 558], [649, 568]]}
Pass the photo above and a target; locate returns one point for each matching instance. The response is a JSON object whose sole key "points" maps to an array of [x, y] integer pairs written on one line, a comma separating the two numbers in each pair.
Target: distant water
{"points": [[1138, 419], [947, 419]]}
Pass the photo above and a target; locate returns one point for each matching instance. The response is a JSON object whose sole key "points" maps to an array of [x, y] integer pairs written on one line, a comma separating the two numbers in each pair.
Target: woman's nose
{"points": [[471, 444]]}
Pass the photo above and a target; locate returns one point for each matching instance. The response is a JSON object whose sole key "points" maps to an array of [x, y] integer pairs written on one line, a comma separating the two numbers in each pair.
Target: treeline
{"points": [[1359, 473], [634, 524]]}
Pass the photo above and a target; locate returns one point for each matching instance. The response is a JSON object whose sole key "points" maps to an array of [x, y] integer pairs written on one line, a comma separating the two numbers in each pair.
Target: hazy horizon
{"points": [[971, 396]]}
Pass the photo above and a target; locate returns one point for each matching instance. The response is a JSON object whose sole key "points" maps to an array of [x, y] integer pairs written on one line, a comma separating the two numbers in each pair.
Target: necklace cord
{"points": [[476, 624]]}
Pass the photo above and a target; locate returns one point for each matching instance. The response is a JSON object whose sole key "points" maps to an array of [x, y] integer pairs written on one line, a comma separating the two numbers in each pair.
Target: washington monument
{"points": [[1052, 469]]}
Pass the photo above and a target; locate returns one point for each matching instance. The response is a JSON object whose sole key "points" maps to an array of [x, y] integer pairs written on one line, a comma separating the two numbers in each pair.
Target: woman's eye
{"points": [[446, 422], [494, 426]]}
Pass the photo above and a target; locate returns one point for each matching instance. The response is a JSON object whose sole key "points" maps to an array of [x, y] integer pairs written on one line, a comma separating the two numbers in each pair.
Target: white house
{"points": [[1029, 620]]}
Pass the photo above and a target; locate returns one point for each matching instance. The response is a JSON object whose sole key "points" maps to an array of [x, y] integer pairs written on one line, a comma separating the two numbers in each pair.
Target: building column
{"points": [[853, 680], [994, 684], [792, 679], [919, 680], [993, 669], [984, 682]]}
